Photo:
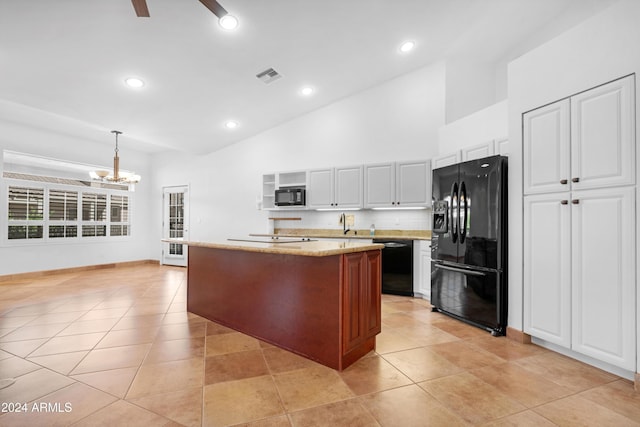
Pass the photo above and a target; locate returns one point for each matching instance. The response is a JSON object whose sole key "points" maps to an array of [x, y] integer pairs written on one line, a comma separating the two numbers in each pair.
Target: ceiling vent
{"points": [[268, 76]]}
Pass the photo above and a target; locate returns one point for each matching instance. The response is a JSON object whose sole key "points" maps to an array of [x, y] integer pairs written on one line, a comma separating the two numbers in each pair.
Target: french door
{"points": [[175, 224]]}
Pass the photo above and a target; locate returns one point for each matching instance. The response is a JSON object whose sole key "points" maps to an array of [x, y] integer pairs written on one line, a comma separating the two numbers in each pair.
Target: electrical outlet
{"points": [[350, 220]]}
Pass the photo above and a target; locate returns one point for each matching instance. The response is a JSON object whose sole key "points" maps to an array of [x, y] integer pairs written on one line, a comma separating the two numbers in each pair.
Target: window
{"points": [[94, 214], [26, 213], [63, 214], [51, 212], [119, 215]]}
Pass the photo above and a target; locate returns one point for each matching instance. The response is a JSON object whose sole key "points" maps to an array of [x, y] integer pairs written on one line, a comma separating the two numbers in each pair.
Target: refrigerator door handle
{"points": [[454, 212], [462, 215], [460, 270]]}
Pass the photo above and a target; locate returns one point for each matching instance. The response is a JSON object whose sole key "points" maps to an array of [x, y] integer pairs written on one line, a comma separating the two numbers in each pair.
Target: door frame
{"points": [[166, 258]]}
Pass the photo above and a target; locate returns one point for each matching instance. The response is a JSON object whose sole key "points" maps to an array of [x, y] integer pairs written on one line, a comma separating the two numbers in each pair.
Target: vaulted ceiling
{"points": [[63, 62]]}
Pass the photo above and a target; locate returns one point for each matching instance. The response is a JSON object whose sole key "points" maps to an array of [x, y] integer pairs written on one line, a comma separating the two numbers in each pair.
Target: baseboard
{"points": [[636, 383], [518, 336], [36, 274]]}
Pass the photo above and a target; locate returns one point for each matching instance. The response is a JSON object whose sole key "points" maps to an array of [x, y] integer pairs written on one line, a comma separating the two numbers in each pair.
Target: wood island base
{"points": [[325, 308]]}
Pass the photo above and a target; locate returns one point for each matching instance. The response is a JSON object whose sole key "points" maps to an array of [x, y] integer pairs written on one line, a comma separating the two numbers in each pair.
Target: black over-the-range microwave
{"points": [[290, 196]]}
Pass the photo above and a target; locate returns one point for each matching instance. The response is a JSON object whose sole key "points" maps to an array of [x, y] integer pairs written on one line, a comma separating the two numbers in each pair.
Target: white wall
{"points": [[485, 125], [37, 257], [471, 86], [398, 120], [601, 49]]}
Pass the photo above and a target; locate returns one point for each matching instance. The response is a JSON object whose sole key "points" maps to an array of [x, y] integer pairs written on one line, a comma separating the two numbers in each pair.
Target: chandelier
{"points": [[117, 175]]}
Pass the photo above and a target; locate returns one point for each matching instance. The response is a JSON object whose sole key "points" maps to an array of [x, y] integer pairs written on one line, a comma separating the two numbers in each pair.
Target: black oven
{"points": [[290, 196]]}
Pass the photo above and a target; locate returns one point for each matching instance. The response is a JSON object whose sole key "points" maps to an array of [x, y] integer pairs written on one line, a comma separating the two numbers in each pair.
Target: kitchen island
{"points": [[320, 300]]}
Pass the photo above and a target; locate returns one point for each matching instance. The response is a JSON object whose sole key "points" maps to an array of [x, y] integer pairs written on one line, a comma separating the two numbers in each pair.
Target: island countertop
{"points": [[304, 248], [325, 306]]}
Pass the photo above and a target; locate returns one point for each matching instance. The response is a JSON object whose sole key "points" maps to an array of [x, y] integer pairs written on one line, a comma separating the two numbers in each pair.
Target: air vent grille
{"points": [[64, 181], [268, 76]]}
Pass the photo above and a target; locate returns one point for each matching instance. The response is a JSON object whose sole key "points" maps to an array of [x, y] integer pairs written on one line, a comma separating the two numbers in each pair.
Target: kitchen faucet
{"points": [[343, 220]]}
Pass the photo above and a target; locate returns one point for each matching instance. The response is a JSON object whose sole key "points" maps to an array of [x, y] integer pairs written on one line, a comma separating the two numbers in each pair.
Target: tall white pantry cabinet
{"points": [[579, 223]]}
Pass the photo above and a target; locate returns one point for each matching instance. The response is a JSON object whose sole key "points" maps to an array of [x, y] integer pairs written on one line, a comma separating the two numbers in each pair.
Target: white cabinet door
{"points": [[502, 146], [413, 183], [380, 185], [602, 136], [422, 268], [478, 151], [446, 159], [348, 187], [547, 148], [547, 267], [320, 190], [603, 282]]}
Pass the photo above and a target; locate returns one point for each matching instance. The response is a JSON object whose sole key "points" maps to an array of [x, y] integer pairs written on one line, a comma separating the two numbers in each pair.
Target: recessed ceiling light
{"points": [[228, 22], [407, 46], [306, 91], [231, 124], [134, 82]]}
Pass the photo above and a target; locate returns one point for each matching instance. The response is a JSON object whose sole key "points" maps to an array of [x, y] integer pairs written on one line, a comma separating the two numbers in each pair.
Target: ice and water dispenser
{"points": [[440, 216]]}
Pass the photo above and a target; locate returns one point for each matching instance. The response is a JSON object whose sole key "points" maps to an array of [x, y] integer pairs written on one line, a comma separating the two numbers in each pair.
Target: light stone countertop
{"points": [[307, 248]]}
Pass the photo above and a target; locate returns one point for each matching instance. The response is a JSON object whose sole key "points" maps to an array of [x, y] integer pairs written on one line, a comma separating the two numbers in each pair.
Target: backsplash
{"points": [[383, 219]]}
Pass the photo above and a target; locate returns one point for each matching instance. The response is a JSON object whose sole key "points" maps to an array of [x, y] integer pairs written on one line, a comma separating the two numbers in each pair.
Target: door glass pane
{"points": [[176, 221], [175, 249]]}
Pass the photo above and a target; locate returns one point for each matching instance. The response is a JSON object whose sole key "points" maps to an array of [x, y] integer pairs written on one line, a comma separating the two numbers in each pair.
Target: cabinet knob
{"points": [[564, 202], [563, 181], [575, 179], [575, 201]]}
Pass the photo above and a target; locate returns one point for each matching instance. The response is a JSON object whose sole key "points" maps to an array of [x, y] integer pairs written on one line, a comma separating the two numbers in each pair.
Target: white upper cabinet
{"points": [[335, 188], [602, 148], [446, 159], [413, 183], [478, 151], [401, 184], [348, 187], [502, 146], [547, 148], [320, 191], [380, 185], [585, 141]]}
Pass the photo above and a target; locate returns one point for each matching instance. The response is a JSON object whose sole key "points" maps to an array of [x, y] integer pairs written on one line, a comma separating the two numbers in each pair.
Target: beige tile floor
{"points": [[117, 347]]}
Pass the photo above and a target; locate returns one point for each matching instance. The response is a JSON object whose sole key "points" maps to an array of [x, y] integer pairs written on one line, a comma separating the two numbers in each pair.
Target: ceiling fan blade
{"points": [[215, 7], [141, 8]]}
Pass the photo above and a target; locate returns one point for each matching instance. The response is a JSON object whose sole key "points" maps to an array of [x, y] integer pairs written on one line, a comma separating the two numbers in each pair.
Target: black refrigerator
{"points": [[469, 242]]}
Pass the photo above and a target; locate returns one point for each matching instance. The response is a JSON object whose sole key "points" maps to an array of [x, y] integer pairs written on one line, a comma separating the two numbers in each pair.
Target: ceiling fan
{"points": [[142, 10]]}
